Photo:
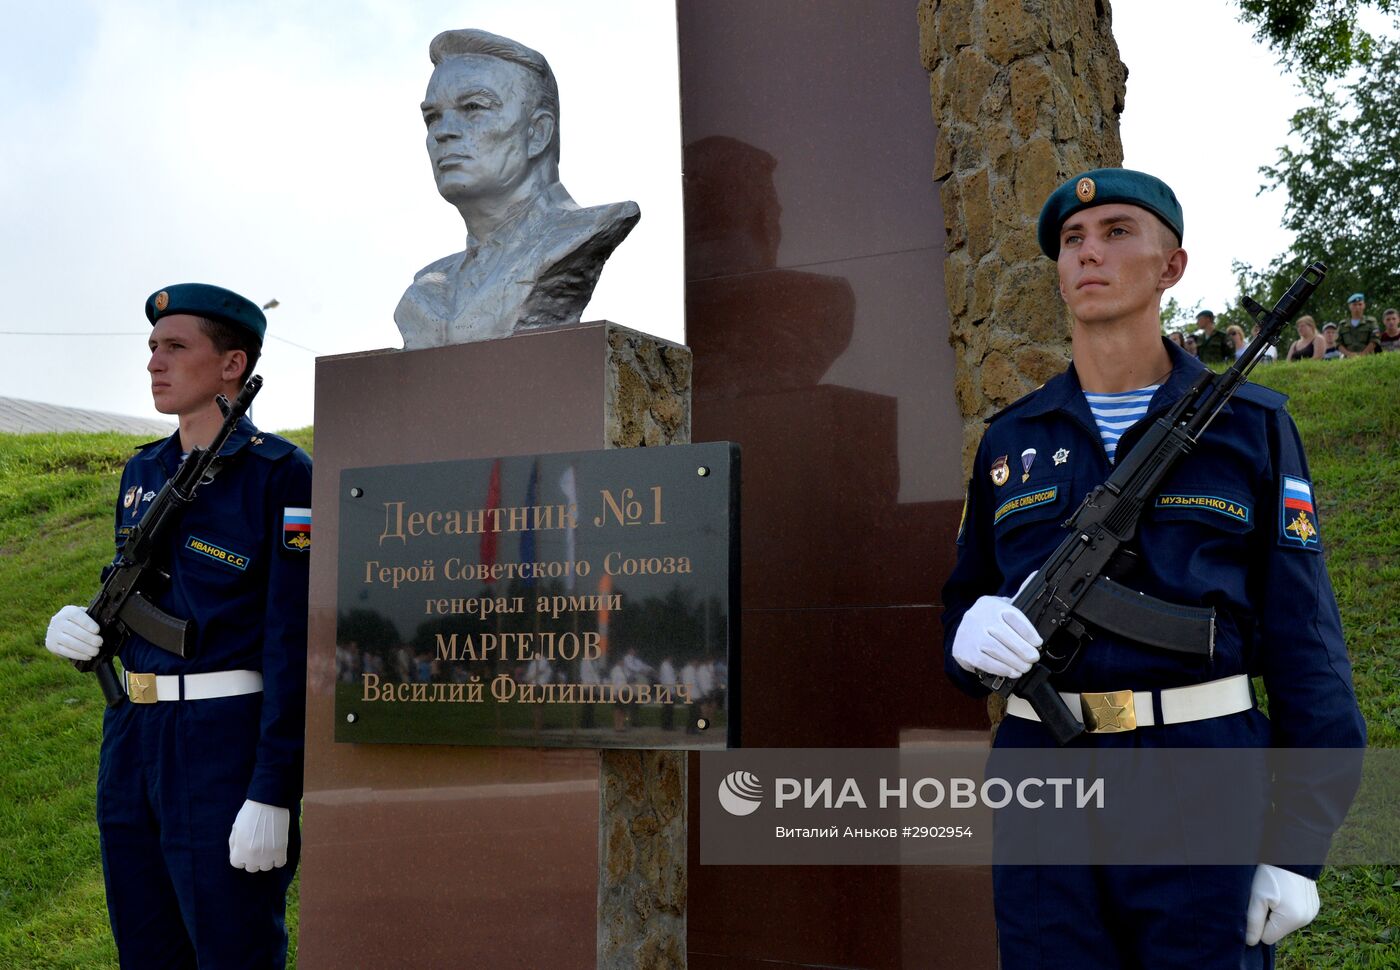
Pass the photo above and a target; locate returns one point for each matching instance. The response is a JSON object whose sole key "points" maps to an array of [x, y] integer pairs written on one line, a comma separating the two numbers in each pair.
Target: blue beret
{"points": [[204, 300], [1103, 186], [1355, 297]]}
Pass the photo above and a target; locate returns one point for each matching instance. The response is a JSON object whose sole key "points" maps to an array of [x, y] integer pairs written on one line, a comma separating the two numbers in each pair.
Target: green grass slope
{"points": [[56, 528], [1348, 412], [56, 497]]}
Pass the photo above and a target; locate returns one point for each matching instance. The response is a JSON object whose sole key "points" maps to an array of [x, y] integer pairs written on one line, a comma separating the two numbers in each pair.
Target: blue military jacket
{"points": [[1224, 531], [1234, 526], [238, 565]]}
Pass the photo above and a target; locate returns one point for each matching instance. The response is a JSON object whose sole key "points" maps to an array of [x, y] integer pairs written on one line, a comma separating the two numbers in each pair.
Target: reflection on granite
{"points": [[815, 310]]}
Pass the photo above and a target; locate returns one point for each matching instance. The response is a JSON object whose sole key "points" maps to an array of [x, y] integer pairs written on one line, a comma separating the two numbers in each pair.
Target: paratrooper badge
{"points": [[1001, 471]]}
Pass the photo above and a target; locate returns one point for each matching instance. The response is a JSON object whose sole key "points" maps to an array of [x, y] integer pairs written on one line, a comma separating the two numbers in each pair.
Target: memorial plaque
{"points": [[581, 600]]}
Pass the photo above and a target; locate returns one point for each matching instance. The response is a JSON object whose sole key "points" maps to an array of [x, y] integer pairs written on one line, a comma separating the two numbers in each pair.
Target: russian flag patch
{"points": [[296, 529], [1297, 516]]}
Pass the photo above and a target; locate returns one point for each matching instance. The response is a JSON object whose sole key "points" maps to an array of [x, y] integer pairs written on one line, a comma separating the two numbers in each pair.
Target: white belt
{"points": [[150, 688], [1125, 710]]}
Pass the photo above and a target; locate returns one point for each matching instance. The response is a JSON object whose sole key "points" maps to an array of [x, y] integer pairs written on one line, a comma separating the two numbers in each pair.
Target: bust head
{"points": [[492, 114]]}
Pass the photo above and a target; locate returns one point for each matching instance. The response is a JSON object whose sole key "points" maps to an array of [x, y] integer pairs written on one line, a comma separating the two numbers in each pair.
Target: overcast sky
{"points": [[276, 147]]}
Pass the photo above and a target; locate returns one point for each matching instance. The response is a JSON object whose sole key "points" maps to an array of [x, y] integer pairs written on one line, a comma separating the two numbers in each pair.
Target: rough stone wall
{"points": [[642, 794], [642, 854], [1026, 93], [648, 390]]}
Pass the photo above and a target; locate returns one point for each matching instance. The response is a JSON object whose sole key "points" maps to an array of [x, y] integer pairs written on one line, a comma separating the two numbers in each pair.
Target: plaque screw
{"points": [[702, 471], [351, 718], [701, 723], [356, 492]]}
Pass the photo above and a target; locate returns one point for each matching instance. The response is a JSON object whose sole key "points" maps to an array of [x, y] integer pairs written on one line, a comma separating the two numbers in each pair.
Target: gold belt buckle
{"points": [[141, 688], [1108, 713]]}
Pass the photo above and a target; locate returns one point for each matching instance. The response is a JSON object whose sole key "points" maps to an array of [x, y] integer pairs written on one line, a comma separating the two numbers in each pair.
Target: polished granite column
{"points": [[815, 311]]}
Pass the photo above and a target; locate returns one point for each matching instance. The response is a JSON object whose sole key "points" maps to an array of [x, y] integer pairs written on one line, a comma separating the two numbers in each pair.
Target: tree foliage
{"points": [[1341, 173], [1320, 38]]}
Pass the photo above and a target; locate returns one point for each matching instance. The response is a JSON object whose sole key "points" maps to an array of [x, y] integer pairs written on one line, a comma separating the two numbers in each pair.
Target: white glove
{"points": [[996, 638], [73, 634], [259, 838], [1286, 898]]}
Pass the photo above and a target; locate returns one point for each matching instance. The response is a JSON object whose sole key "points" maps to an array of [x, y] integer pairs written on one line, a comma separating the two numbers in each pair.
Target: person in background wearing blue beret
{"points": [[1256, 558], [200, 774]]}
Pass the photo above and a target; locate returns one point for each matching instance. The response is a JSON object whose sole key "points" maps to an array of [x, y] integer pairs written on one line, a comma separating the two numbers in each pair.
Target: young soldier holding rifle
{"points": [[199, 784], [1222, 544]]}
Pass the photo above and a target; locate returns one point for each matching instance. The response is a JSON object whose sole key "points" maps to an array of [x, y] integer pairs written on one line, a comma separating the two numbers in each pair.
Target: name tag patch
{"points": [[1231, 510], [217, 553], [296, 528], [1297, 517], [1028, 501]]}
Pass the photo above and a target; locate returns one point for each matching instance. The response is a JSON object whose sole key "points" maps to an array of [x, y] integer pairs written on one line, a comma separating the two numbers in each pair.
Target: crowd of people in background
{"points": [[1356, 335]]}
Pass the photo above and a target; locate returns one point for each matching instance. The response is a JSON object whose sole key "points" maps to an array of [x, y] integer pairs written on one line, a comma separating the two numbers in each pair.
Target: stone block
{"points": [[955, 24], [972, 78], [1030, 90], [942, 158], [1013, 31], [1001, 381], [1039, 364], [985, 285], [956, 283], [619, 852], [978, 213], [928, 33], [1037, 174]]}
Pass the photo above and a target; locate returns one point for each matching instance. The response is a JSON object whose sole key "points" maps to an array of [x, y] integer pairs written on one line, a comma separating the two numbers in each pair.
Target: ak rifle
{"points": [[1073, 593], [122, 607]]}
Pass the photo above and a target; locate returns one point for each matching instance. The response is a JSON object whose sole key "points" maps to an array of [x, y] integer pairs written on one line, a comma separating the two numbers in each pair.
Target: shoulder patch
{"points": [[1297, 516], [1265, 397], [296, 529]]}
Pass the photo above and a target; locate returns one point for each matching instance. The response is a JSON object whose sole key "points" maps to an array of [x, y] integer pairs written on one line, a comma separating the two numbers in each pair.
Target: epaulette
{"points": [[1265, 397], [1013, 405], [264, 444]]}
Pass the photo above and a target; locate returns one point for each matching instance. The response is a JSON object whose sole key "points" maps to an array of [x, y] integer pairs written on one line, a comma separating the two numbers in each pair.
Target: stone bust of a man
{"points": [[533, 255]]}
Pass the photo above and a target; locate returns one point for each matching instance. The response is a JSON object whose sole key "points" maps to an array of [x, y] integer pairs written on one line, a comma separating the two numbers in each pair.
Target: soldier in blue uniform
{"points": [[1234, 527], [199, 783]]}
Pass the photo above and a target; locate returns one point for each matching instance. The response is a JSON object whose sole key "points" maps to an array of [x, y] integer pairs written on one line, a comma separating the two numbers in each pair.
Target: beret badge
{"points": [[1085, 190], [162, 301]]}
